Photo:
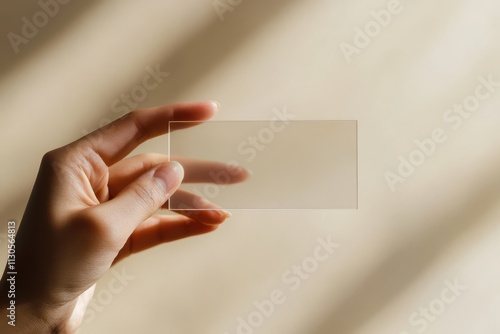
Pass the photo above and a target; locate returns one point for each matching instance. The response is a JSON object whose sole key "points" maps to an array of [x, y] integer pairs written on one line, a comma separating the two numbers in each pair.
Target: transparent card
{"points": [[292, 164]]}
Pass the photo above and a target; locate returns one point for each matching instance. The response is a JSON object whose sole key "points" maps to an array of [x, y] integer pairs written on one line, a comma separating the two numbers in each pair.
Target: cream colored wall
{"points": [[396, 251]]}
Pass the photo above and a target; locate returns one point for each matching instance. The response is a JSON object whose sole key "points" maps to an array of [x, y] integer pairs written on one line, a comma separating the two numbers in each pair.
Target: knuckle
{"points": [[63, 153], [56, 162], [66, 160], [141, 132], [51, 157], [146, 195]]}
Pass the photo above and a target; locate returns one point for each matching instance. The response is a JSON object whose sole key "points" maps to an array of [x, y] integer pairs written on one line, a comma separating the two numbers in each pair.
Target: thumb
{"points": [[143, 197]]}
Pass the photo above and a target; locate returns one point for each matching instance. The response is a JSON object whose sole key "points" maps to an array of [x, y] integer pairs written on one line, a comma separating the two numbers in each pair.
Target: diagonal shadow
{"points": [[11, 20], [411, 258], [209, 47]]}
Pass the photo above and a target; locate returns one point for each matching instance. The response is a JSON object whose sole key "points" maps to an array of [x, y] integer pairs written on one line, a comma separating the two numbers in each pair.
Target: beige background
{"points": [[396, 251]]}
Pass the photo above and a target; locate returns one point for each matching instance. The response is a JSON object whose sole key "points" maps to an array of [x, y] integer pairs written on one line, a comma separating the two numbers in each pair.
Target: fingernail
{"points": [[216, 105], [225, 213], [177, 168], [169, 175]]}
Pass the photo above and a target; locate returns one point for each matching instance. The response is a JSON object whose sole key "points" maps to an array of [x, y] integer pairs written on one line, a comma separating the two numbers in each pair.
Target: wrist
{"points": [[22, 319], [29, 317]]}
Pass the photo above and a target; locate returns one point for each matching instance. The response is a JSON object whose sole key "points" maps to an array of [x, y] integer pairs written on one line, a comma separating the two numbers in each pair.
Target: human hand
{"points": [[90, 208]]}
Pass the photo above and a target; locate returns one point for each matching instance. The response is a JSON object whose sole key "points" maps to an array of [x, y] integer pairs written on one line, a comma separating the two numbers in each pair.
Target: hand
{"points": [[90, 208]]}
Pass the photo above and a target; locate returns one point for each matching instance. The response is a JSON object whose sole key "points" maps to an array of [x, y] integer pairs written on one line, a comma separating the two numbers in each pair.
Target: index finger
{"points": [[119, 138]]}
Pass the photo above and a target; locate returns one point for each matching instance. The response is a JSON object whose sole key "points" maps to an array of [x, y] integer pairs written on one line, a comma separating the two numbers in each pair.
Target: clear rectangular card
{"points": [[293, 164]]}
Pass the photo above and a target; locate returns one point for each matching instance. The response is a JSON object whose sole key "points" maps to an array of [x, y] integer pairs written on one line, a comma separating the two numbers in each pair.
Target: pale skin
{"points": [[91, 207]]}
